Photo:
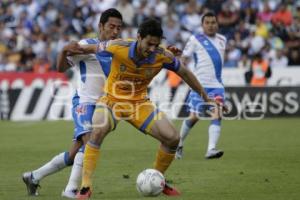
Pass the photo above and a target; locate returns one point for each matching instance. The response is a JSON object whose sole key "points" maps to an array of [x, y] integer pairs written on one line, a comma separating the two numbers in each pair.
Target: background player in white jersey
{"points": [[208, 50], [89, 89]]}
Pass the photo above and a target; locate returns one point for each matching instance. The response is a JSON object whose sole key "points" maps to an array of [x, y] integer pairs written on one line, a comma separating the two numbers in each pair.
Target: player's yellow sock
{"points": [[163, 160], [91, 155]]}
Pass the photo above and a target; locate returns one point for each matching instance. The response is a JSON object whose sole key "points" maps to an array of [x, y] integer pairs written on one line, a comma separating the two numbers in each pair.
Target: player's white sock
{"points": [[75, 176], [184, 131], [57, 163], [214, 131]]}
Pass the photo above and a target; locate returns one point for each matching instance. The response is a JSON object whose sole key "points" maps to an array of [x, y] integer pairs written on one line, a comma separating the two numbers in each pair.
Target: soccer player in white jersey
{"points": [[92, 71], [207, 49]]}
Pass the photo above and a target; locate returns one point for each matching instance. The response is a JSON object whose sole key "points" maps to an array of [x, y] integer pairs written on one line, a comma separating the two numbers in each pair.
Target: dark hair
{"points": [[150, 27], [208, 14], [112, 12]]}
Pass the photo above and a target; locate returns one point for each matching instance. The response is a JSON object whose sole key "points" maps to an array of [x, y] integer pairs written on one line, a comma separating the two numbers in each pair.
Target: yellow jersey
{"points": [[128, 79]]}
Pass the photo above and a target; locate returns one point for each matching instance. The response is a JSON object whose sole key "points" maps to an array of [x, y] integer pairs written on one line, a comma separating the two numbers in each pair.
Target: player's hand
{"points": [[73, 48], [218, 103], [174, 50]]}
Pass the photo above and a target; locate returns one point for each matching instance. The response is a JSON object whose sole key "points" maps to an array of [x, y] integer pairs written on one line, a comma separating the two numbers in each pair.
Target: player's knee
{"points": [[85, 138], [98, 135], [173, 141], [68, 159]]}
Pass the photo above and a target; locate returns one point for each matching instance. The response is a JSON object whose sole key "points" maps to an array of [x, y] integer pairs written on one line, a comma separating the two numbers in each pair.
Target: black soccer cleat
{"points": [[32, 188]]}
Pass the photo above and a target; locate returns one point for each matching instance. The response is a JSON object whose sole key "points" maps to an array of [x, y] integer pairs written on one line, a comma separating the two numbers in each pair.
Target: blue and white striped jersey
{"points": [[91, 74], [208, 55]]}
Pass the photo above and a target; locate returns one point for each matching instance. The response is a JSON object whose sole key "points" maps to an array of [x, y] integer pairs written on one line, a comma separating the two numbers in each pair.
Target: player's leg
{"points": [[214, 129], [165, 132], [194, 107], [186, 126], [76, 172], [103, 123], [57, 163], [82, 117], [150, 121], [80, 114]]}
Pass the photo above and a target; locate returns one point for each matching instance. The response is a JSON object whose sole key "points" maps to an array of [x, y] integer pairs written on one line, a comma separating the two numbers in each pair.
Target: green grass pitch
{"points": [[261, 161]]}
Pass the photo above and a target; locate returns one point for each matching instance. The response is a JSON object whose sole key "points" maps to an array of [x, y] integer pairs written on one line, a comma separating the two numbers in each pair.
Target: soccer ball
{"points": [[150, 182]]}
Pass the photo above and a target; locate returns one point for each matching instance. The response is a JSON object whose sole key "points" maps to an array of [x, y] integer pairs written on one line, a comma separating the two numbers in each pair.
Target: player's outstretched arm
{"points": [[192, 81], [89, 48], [70, 49]]}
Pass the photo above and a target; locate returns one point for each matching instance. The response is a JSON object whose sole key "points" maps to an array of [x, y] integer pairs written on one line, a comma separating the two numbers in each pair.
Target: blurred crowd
{"points": [[32, 32]]}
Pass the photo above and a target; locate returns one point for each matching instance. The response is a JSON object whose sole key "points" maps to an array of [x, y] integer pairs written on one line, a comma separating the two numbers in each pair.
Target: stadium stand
{"points": [[33, 31]]}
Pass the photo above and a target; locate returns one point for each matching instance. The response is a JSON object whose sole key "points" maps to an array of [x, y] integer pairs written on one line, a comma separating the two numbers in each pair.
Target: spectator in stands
{"points": [[140, 13], [233, 54], [43, 24], [259, 73], [191, 20], [227, 20], [294, 57], [244, 63], [282, 15], [127, 11], [172, 30], [266, 14], [280, 60], [261, 29], [41, 65], [256, 43], [27, 58]]}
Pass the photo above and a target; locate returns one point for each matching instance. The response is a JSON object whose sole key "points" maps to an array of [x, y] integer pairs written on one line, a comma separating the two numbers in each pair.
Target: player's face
{"points": [[210, 26], [147, 45], [111, 29]]}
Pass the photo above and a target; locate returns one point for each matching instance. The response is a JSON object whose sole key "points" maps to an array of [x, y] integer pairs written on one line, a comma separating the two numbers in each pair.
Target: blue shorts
{"points": [[196, 103], [82, 116]]}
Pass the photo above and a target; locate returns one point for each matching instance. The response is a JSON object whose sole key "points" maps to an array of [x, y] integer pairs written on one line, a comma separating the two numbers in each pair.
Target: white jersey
{"points": [[90, 75], [208, 54]]}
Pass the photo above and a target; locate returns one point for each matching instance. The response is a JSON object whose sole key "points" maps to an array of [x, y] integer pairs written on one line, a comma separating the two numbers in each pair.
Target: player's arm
{"points": [[192, 81], [185, 60], [107, 46], [173, 64], [70, 49], [89, 48]]}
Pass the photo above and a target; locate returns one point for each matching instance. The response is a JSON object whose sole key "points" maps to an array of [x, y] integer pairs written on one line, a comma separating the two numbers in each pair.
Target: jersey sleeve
{"points": [[189, 47], [109, 46], [170, 61], [72, 59]]}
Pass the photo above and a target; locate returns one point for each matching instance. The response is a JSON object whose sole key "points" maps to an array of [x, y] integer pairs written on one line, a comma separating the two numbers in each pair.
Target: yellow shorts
{"points": [[141, 114]]}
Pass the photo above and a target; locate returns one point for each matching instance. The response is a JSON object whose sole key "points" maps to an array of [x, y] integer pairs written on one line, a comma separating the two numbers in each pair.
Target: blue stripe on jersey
{"points": [[195, 59], [82, 67], [173, 66], [213, 53], [75, 100], [91, 41], [105, 58], [148, 120]]}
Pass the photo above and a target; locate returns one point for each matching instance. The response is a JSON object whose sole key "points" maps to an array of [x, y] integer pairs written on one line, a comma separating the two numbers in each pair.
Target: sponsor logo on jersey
{"points": [[122, 68]]}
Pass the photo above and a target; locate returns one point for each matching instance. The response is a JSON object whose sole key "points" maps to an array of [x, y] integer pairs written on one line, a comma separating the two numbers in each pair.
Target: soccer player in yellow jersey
{"points": [[134, 64]]}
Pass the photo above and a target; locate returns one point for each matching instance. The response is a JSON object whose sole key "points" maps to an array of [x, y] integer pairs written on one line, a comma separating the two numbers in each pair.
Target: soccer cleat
{"points": [[84, 193], [31, 186], [170, 191], [214, 153], [179, 152], [71, 194]]}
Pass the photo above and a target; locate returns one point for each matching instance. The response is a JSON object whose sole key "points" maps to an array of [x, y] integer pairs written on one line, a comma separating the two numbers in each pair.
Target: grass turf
{"points": [[261, 161]]}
